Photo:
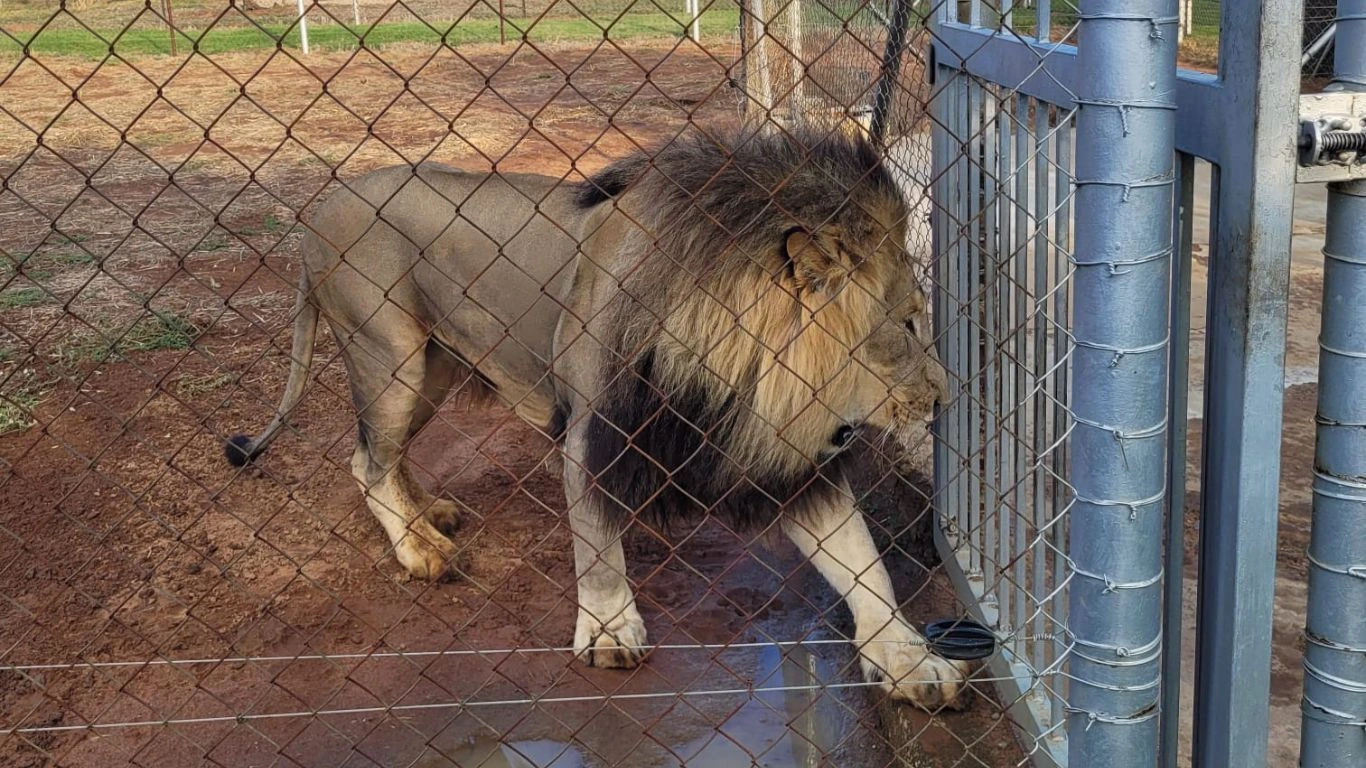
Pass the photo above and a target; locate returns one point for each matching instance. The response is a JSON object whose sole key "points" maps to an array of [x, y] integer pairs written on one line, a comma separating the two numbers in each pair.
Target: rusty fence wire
{"points": [[506, 355]]}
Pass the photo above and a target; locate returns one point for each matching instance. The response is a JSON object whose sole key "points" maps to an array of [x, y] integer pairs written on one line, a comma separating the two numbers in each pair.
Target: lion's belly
{"points": [[499, 310]]}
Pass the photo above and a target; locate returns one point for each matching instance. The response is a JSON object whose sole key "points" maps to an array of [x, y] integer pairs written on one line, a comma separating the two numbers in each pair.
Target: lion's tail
{"points": [[240, 449]]}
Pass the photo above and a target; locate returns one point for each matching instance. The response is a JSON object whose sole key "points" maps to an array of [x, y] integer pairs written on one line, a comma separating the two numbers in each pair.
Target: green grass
{"points": [[143, 42], [211, 243], [193, 386], [270, 225], [153, 332], [22, 392], [161, 330], [16, 298], [20, 395], [71, 258]]}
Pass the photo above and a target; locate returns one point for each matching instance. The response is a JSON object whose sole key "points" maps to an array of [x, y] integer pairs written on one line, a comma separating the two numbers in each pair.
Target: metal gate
{"points": [[1064, 191], [1061, 143]]}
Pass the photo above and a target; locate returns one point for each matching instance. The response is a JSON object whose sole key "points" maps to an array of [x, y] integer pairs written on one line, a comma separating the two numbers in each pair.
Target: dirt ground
{"points": [[150, 244], [150, 241]]}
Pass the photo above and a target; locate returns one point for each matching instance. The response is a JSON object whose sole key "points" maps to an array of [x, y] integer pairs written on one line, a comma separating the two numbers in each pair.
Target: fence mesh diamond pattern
{"points": [[605, 340]]}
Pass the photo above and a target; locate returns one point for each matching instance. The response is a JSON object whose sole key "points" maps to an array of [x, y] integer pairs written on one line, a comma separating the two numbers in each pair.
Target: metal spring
{"points": [[1343, 141]]}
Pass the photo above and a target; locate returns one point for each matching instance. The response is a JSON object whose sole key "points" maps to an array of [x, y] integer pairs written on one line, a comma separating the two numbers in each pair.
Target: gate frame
{"points": [[1333, 701], [1237, 120]]}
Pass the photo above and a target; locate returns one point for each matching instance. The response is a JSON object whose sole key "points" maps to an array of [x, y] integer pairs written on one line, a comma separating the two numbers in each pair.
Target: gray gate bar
{"points": [[1177, 397], [1048, 71], [1122, 285], [1333, 734], [1245, 375]]}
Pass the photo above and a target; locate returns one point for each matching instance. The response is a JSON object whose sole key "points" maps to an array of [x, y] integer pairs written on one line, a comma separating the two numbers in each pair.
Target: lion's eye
{"points": [[913, 326]]}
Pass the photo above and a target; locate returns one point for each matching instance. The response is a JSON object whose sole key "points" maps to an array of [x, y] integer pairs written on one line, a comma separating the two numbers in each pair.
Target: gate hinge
{"points": [[1332, 138]]}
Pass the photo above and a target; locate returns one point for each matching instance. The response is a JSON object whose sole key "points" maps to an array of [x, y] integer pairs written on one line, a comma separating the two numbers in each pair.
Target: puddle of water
{"points": [[486, 752], [797, 728], [1295, 375], [774, 729]]}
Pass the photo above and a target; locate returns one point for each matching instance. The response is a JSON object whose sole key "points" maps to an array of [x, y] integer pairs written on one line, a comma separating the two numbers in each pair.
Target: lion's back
{"points": [[477, 260]]}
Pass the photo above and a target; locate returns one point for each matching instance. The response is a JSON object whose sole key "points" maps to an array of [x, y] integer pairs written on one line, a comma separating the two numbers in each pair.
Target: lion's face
{"points": [[824, 333], [867, 349], [903, 379]]}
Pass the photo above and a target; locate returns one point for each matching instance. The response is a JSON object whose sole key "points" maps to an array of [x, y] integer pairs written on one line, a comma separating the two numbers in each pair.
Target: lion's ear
{"points": [[815, 262]]}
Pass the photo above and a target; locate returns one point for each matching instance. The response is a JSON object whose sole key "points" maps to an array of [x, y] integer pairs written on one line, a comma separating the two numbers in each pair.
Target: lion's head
{"points": [[772, 312]]}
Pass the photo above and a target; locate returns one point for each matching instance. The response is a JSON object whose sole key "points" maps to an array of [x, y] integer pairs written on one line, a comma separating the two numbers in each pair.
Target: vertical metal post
{"points": [[303, 27], [1126, 132], [794, 47], [1061, 390], [1177, 396], [891, 68], [1333, 732], [1244, 379], [947, 306]]}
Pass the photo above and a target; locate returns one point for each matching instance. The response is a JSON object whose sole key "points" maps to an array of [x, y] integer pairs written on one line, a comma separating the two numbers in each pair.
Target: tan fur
{"points": [[818, 349], [436, 281]]}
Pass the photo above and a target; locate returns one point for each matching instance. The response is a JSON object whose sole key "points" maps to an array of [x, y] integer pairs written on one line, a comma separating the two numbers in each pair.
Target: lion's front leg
{"points": [[609, 631], [835, 539]]}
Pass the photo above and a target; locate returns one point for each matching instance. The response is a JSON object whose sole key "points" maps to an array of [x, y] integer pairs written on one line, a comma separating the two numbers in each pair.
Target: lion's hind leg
{"points": [[443, 373], [387, 386]]}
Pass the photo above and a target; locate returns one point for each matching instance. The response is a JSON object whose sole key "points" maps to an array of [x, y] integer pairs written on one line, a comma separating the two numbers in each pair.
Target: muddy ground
{"points": [[147, 319], [148, 255]]}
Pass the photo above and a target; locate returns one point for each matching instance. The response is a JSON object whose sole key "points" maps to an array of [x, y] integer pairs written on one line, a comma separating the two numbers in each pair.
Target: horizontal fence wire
{"points": [[513, 284], [175, 176], [39, 667]]}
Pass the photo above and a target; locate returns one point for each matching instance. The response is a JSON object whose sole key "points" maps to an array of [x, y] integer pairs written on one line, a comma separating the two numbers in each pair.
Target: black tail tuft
{"points": [[239, 450]]}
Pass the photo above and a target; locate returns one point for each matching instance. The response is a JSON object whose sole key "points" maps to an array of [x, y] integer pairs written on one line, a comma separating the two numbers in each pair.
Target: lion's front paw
{"points": [[424, 553], [620, 643], [910, 672]]}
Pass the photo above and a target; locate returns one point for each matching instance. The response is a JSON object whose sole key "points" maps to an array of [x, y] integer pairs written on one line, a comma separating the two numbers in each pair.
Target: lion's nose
{"points": [[844, 436], [939, 380]]}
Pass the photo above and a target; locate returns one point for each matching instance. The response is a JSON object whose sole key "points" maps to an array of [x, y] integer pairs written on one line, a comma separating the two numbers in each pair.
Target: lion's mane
{"points": [[714, 361]]}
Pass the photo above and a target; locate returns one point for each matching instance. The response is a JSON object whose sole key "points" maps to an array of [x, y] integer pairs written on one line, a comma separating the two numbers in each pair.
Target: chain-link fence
{"points": [[525, 304], [644, 384], [1319, 34]]}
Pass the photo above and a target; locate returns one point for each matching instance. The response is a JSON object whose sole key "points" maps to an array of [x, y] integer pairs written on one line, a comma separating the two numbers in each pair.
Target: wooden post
{"points": [[355, 12], [502, 32], [170, 23], [760, 51], [794, 44]]}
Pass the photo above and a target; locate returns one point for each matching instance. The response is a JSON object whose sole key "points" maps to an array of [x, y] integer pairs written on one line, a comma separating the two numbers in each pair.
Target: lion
{"points": [[704, 329]]}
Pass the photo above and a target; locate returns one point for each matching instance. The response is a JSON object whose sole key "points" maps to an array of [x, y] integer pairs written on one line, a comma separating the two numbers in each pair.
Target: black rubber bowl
{"points": [[960, 639]]}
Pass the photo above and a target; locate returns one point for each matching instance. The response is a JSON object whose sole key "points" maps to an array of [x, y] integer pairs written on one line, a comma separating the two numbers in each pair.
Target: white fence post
{"points": [[303, 28]]}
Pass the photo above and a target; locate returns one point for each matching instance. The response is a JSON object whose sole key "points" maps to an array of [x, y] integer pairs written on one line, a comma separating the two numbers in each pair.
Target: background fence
{"points": [[161, 608], [158, 607]]}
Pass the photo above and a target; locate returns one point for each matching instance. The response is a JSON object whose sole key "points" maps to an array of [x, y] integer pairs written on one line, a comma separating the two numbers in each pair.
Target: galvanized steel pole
{"points": [[1258, 99], [1333, 732], [1125, 170]]}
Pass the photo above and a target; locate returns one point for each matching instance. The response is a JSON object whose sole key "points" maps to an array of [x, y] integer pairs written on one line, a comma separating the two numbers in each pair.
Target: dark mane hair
{"points": [[742, 179], [717, 207], [716, 210]]}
